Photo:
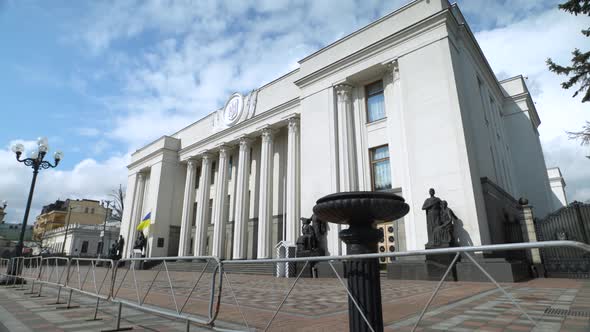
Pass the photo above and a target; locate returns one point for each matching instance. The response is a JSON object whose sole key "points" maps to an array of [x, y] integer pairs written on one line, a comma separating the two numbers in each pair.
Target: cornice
{"points": [[253, 121], [149, 156], [427, 24], [366, 27]]}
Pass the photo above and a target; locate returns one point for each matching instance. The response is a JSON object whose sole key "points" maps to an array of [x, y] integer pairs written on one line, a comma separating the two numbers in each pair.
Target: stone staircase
{"points": [[198, 265]]}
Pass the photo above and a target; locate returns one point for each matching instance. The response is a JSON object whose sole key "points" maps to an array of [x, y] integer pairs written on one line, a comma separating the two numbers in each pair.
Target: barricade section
{"points": [[54, 271], [179, 287], [91, 276], [31, 268], [4, 262]]}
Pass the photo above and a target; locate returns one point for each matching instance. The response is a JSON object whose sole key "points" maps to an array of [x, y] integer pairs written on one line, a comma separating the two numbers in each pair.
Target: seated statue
{"points": [[308, 244], [443, 232], [140, 242], [113, 252]]}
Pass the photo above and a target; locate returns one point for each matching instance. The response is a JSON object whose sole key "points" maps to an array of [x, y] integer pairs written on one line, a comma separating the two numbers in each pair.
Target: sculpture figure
{"points": [[140, 242], [308, 244], [113, 252], [432, 207], [308, 240], [443, 233], [120, 246]]}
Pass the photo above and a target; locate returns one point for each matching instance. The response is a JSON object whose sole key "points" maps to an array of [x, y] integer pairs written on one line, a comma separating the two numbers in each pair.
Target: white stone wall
{"points": [[449, 124]]}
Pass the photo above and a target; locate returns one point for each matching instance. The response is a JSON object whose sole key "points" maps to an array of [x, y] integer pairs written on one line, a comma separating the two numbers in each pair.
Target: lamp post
{"points": [[2, 213], [105, 204], [35, 161], [63, 245]]}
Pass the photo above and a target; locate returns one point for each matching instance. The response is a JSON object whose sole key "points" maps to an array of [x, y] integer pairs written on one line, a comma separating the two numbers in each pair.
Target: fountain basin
{"points": [[360, 208]]}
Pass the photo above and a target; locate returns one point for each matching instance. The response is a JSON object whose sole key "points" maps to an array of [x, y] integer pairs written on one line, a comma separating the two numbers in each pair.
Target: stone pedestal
{"points": [[432, 267], [361, 210], [364, 278], [499, 268]]}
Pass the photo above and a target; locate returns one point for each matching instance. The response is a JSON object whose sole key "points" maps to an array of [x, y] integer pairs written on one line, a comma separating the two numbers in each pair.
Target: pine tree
{"points": [[579, 71]]}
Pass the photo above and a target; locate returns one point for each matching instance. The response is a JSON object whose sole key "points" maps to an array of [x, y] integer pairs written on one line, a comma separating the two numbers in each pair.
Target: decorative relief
{"points": [[191, 163], [206, 158], [245, 143], [293, 124], [267, 134], [223, 151], [237, 109], [233, 109], [395, 67], [344, 92]]}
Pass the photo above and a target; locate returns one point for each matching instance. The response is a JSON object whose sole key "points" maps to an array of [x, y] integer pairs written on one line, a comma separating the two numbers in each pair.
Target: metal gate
{"points": [[568, 223]]}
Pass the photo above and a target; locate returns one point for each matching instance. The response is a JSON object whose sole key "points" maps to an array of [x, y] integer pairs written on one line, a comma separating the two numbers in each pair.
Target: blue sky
{"points": [[102, 78]]}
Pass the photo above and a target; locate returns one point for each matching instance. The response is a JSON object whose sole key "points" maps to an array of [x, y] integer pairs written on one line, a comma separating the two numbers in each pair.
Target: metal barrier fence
{"points": [[4, 263], [104, 279], [180, 301]]}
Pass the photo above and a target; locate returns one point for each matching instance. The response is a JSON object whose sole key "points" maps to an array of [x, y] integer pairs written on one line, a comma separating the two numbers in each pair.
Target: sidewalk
{"points": [[321, 305]]}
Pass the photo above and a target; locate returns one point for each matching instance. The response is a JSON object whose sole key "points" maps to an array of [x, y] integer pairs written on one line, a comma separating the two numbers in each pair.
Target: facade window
{"points": [[194, 221], [213, 169], [92, 211], [198, 177], [84, 247], [380, 169], [86, 210], [231, 161], [210, 210], [160, 242], [375, 101], [226, 207]]}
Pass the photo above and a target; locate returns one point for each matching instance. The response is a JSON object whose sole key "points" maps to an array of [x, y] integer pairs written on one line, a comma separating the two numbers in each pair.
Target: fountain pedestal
{"points": [[362, 211]]}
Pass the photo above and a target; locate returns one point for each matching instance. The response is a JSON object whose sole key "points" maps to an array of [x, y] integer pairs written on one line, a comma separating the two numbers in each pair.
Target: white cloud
{"points": [[87, 131], [203, 51], [522, 48], [88, 179]]}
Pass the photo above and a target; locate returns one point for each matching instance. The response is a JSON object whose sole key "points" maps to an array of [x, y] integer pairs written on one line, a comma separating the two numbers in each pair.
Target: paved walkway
{"points": [[314, 305]]}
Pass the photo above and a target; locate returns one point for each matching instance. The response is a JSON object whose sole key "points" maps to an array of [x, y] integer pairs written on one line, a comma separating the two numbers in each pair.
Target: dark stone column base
{"points": [[499, 268], [432, 268]]}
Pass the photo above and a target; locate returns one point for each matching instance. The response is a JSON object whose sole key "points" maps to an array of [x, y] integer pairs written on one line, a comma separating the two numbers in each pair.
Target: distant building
{"points": [[81, 240], [11, 232], [58, 214], [559, 199]]}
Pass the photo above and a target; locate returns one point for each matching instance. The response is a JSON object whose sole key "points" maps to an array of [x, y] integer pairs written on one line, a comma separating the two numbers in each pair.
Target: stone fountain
{"points": [[362, 210]]}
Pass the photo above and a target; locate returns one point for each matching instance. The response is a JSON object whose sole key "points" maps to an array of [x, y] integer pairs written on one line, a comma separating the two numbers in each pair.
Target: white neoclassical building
{"points": [[405, 104]]}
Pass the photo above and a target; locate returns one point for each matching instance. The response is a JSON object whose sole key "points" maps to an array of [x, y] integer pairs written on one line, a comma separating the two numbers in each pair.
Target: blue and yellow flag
{"points": [[145, 222]]}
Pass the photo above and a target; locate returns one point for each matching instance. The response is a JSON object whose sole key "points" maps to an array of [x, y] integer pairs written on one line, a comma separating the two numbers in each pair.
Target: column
{"points": [[200, 238], [242, 200], [293, 183], [346, 155], [219, 211], [137, 211], [265, 197], [527, 225], [187, 208]]}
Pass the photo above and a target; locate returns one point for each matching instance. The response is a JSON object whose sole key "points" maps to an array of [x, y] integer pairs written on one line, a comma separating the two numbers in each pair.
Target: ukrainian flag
{"points": [[145, 222]]}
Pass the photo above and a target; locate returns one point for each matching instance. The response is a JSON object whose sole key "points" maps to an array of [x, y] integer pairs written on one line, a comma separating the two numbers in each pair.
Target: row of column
{"points": [[241, 213]]}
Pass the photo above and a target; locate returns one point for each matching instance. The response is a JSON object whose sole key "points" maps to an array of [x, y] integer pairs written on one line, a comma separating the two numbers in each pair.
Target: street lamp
{"points": [[2, 211], [63, 245], [35, 161]]}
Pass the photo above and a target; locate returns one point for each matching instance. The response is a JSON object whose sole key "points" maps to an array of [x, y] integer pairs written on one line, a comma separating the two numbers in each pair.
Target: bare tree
{"points": [[118, 196]]}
